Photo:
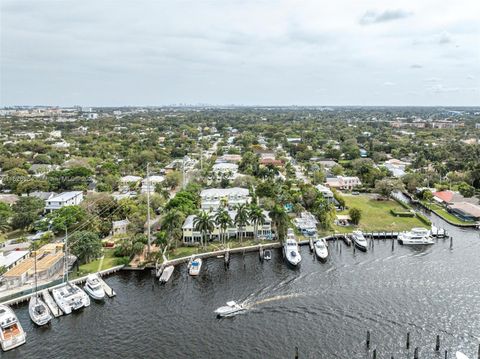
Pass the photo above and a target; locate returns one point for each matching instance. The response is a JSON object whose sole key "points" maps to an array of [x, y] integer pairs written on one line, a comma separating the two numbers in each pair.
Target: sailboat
{"points": [[38, 310]]}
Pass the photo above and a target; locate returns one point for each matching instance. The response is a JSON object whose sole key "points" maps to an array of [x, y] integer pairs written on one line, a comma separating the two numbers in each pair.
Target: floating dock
{"points": [[54, 309]]}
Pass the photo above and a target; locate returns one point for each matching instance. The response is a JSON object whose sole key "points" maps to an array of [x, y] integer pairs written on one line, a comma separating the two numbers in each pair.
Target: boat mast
{"points": [[36, 284], [148, 207], [65, 255]]}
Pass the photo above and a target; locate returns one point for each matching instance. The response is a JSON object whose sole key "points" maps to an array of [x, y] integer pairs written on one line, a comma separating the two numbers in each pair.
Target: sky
{"points": [[242, 52]]}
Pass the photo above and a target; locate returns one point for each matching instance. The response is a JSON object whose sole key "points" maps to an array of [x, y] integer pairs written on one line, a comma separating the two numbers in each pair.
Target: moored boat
{"points": [[359, 240], [230, 309], [290, 249], [94, 287], [70, 297], [38, 311], [194, 266], [267, 254], [417, 236], [321, 249], [460, 355], [11, 331], [166, 274]]}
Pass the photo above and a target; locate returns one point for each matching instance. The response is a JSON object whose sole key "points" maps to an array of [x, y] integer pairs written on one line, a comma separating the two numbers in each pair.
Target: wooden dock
{"points": [[108, 290], [54, 309]]}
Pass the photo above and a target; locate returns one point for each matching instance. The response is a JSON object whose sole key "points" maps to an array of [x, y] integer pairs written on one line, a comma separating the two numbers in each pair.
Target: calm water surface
{"points": [[323, 308]]}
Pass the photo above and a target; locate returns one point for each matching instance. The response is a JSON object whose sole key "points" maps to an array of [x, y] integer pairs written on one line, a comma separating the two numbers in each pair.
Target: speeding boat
{"points": [[321, 249], [70, 297], [460, 355], [359, 240], [12, 334], [417, 236], [267, 254], [194, 266], [166, 274], [38, 310], [94, 287], [290, 249], [230, 309]]}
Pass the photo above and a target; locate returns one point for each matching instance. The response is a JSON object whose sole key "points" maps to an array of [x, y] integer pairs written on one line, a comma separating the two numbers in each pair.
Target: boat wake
{"points": [[271, 299]]}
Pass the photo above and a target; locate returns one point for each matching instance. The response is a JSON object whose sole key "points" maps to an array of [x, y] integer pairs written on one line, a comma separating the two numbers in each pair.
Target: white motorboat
{"points": [[460, 355], [194, 266], [12, 334], [267, 254], [290, 249], [437, 232], [230, 309], [359, 240], [38, 310], [417, 236], [321, 249], [166, 274], [70, 297], [94, 288]]}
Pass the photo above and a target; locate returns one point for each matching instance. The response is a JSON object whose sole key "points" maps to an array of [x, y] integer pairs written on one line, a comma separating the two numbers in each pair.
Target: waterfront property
{"points": [[213, 198], [12, 259], [326, 193], [343, 182], [190, 235], [64, 199], [225, 169]]}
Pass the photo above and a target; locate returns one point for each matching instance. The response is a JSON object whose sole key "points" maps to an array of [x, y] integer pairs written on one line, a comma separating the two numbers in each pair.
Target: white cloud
{"points": [[373, 17]]}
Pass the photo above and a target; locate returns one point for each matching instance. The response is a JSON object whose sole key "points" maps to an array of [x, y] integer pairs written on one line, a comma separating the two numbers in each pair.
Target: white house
{"points": [[149, 183], [397, 167], [212, 198], [326, 192], [342, 182], [13, 258], [72, 198], [119, 227], [225, 169]]}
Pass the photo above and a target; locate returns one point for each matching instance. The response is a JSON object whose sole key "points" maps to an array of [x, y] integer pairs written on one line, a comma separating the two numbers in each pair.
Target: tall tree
{"points": [[280, 220], [241, 219], [86, 245], [204, 224], [223, 220], [257, 217], [171, 222]]}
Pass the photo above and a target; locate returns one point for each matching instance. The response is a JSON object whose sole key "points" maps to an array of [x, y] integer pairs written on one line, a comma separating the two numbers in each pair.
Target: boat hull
{"points": [[96, 295], [39, 319]]}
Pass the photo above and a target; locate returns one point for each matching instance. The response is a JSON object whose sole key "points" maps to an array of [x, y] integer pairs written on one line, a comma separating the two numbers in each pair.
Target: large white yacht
{"points": [[321, 249], [70, 297], [290, 249], [12, 334], [38, 310], [415, 236], [359, 240], [94, 287]]}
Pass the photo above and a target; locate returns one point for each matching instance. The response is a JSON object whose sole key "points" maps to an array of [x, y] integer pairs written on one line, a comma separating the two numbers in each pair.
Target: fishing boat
{"points": [[417, 236], [194, 266], [460, 355], [70, 297], [37, 309], [166, 274], [12, 334], [94, 288], [267, 254], [290, 249], [230, 309], [359, 240], [321, 249]]}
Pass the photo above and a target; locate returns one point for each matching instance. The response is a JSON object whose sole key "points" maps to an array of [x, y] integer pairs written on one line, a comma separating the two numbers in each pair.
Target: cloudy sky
{"points": [[245, 52]]}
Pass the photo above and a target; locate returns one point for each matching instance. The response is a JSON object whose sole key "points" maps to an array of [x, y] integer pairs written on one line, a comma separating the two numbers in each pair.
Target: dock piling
{"points": [[437, 344], [451, 242], [415, 353], [446, 354], [408, 340], [478, 355], [368, 339], [374, 354], [296, 352]]}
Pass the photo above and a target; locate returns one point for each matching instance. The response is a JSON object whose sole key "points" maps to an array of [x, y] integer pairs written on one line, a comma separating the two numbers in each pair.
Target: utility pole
{"points": [[148, 207], [183, 173]]}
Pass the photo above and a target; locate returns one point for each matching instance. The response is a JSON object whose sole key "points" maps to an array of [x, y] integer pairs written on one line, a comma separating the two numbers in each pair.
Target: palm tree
{"points": [[171, 222], [223, 220], [256, 217], [241, 218], [204, 223], [280, 220]]}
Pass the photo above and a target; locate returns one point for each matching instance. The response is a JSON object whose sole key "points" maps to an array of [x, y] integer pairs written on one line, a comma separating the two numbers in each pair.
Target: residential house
{"points": [[306, 223], [149, 183], [11, 259], [229, 158], [119, 227], [465, 211], [225, 170], [397, 167], [72, 198], [9, 199], [342, 182], [213, 198], [326, 193]]}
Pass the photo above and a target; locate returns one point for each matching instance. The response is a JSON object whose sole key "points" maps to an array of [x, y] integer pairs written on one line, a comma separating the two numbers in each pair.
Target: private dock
{"points": [[54, 309]]}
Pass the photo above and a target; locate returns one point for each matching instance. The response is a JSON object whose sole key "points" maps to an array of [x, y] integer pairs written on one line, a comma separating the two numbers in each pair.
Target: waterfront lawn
{"points": [[108, 261], [376, 215], [442, 212]]}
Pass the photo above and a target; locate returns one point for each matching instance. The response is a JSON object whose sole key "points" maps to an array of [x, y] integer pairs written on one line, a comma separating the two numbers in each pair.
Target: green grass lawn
{"points": [[376, 215], [97, 265], [442, 212]]}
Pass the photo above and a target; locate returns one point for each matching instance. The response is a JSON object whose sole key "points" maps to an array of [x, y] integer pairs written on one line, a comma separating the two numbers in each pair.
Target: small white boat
{"points": [[194, 266], [321, 249], [267, 254], [359, 240], [460, 355], [38, 310], [12, 334], [417, 236], [230, 309], [166, 274], [70, 297], [290, 249], [94, 288], [437, 232]]}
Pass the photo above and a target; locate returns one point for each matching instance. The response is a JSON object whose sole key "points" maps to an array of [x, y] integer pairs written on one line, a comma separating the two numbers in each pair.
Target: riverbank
{"points": [[446, 216]]}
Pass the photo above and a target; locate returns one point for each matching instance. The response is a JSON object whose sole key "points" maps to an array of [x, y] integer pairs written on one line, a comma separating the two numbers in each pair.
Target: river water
{"points": [[325, 309]]}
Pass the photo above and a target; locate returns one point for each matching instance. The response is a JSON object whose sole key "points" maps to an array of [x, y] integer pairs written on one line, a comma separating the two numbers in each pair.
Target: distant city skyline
{"points": [[232, 52]]}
